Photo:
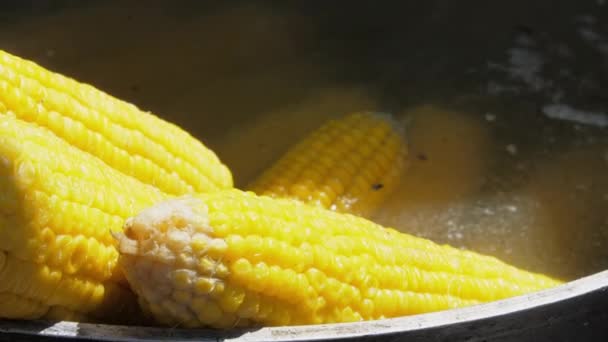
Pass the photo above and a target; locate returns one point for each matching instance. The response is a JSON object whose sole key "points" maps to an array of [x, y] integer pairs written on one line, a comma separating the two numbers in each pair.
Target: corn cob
{"points": [[57, 207], [134, 142], [232, 258], [348, 165]]}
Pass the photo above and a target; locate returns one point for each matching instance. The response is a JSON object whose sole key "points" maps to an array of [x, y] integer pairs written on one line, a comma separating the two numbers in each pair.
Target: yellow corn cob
{"points": [[348, 165], [233, 258], [57, 208], [132, 141]]}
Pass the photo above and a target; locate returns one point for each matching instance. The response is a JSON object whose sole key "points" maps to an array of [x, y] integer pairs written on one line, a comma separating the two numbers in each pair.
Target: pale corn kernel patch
{"points": [[182, 297], [206, 267], [183, 278], [221, 270], [185, 259], [231, 299], [204, 285], [172, 240], [177, 240], [207, 311]]}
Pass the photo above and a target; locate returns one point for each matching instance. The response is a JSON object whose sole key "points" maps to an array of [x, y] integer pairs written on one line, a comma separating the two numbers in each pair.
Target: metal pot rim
{"points": [[444, 319]]}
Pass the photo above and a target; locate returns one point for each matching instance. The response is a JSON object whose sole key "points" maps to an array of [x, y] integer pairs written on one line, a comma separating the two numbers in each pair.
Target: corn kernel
{"points": [[204, 285], [207, 311]]}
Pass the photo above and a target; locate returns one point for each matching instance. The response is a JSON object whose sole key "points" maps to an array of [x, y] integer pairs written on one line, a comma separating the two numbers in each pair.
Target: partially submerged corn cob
{"points": [[134, 142], [233, 258], [348, 165], [57, 208]]}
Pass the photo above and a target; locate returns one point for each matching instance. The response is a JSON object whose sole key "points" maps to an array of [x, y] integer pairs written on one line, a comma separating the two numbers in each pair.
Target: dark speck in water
{"points": [[377, 186], [422, 156]]}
